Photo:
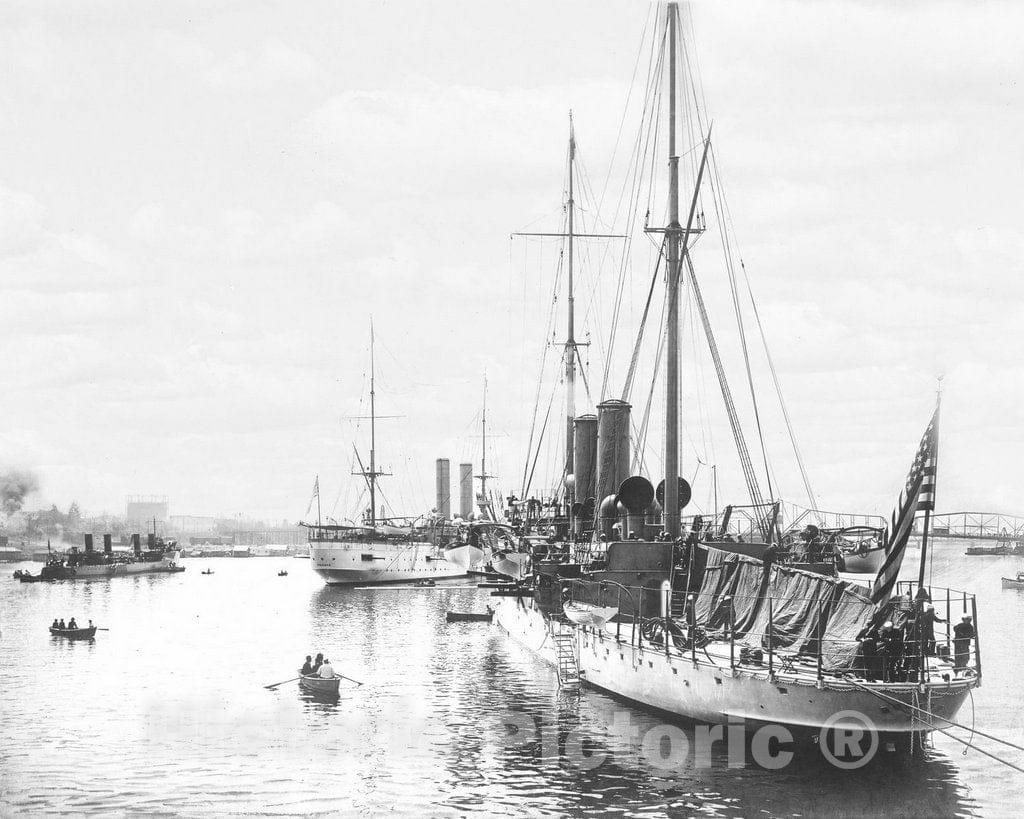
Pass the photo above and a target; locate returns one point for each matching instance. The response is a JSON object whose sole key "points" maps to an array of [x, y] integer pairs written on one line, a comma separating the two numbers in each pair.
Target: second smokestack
{"points": [[444, 488]]}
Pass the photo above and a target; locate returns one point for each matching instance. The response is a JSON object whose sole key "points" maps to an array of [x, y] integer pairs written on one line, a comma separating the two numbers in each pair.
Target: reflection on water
{"points": [[167, 712]]}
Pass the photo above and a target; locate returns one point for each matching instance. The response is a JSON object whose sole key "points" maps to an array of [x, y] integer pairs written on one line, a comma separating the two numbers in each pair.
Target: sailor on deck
{"points": [[963, 633], [926, 622], [890, 649]]}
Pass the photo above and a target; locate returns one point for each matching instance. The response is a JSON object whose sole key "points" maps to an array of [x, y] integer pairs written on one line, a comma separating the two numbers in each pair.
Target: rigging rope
{"points": [[628, 386], [737, 432], [651, 109], [778, 389], [528, 481], [731, 270]]}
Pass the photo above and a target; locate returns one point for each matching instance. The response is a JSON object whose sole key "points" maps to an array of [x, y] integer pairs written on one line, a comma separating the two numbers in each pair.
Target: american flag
{"points": [[315, 495], [917, 495], [925, 463]]}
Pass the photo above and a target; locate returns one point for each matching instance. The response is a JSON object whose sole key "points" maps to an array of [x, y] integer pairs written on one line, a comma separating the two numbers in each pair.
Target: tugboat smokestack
{"points": [[136, 545], [108, 547], [88, 543]]}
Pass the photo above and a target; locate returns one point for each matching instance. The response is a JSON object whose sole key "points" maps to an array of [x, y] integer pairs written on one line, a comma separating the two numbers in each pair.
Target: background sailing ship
{"points": [[378, 549]]}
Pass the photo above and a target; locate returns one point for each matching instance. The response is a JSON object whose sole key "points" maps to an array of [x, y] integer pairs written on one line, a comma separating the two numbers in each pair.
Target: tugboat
{"points": [[159, 557], [716, 618]]}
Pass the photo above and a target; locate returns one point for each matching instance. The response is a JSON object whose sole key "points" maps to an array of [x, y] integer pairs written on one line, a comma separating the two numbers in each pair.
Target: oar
{"points": [[275, 685], [350, 679], [102, 629]]}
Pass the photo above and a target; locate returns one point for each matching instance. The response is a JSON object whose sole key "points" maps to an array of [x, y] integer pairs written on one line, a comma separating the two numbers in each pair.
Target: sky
{"points": [[202, 205]]}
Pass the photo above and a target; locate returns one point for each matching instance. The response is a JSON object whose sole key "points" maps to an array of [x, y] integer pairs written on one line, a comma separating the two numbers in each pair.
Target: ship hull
{"points": [[708, 692], [101, 571], [373, 562]]}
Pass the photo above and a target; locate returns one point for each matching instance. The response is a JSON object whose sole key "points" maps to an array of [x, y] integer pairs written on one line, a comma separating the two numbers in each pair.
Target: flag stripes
{"points": [[315, 495], [917, 495]]}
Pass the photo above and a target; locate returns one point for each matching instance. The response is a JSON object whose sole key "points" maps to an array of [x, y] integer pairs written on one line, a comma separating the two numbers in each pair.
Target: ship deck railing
{"points": [[678, 631]]}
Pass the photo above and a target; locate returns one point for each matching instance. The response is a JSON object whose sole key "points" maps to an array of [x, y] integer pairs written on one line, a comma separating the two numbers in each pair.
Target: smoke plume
{"points": [[15, 485]]}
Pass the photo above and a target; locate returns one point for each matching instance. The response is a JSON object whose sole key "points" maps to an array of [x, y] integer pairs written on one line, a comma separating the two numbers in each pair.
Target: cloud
{"points": [[269, 64], [36, 257]]}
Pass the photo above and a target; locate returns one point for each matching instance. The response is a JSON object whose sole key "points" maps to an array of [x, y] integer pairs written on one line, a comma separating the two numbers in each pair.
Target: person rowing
{"points": [[326, 670], [307, 667], [72, 623]]}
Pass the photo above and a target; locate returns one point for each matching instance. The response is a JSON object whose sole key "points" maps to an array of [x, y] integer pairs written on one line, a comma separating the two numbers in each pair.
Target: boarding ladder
{"points": [[563, 638]]}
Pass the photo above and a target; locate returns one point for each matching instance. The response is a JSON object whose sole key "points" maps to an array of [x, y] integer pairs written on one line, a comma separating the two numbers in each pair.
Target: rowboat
{"points": [[319, 685], [1014, 582], [74, 633], [468, 617], [282, 573]]}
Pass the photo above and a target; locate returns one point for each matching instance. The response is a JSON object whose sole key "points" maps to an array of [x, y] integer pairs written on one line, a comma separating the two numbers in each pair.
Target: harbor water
{"points": [[167, 713]]}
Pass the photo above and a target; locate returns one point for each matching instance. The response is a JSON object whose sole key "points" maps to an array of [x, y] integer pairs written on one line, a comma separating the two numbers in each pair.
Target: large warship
{"points": [[725, 616]]}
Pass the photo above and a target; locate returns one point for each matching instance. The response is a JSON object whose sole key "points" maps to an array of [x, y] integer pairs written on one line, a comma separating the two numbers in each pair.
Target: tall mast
{"points": [[483, 476], [373, 438], [671, 508], [483, 448], [571, 345], [570, 340]]}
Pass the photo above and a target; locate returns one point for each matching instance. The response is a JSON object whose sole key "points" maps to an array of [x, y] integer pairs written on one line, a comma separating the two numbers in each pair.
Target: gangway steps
{"points": [[565, 656]]}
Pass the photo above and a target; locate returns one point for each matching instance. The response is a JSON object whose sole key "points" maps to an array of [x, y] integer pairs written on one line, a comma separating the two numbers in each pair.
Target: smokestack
{"points": [[612, 447], [107, 547], [584, 465], [444, 488], [88, 543], [151, 540], [136, 545], [465, 490]]}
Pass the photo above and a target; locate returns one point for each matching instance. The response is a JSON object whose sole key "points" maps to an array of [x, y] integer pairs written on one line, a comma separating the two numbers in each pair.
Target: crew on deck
{"points": [[926, 623], [963, 632]]}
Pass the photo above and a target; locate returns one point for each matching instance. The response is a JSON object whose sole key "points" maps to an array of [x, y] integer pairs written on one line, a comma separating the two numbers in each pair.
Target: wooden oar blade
{"points": [[275, 685]]}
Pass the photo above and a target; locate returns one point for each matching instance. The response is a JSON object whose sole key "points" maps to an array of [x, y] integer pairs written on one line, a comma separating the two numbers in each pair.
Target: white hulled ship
{"points": [[380, 549], [689, 615]]}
